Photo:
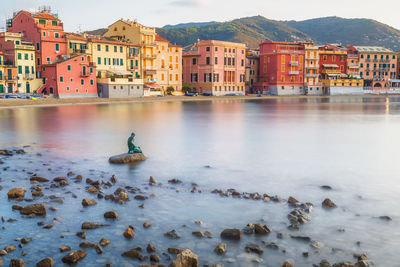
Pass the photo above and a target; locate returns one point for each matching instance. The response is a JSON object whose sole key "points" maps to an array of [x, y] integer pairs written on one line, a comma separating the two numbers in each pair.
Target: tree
{"points": [[170, 90], [186, 89]]}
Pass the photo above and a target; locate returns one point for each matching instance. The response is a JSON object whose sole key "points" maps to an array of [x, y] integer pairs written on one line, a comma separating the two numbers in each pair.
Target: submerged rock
{"points": [[104, 242], [185, 259], [129, 234], [16, 193], [253, 247], [325, 263], [47, 262], [327, 203], [172, 234], [17, 263], [133, 254], [65, 248], [261, 230], [232, 234], [34, 209], [287, 263], [74, 257], [127, 158], [38, 179], [92, 225], [88, 202]]}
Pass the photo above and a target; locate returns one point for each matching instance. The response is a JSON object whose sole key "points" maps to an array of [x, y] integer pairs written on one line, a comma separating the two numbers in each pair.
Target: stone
{"points": [[92, 225], [111, 215], [185, 259], [74, 256], [385, 218], [232, 234], [122, 196], [325, 263], [175, 250], [152, 180], [127, 158], [113, 179], [201, 234], [3, 252], [140, 197], [17, 263], [48, 226], [16, 193], [287, 263], [26, 240], [173, 234], [292, 200], [87, 245], [343, 264], [155, 258], [34, 209], [129, 234], [81, 235], [327, 203], [17, 207], [38, 179], [47, 262], [92, 190], [104, 242], [150, 248], [317, 245], [10, 248], [146, 224], [261, 230], [254, 248], [65, 248], [88, 202], [301, 238], [174, 181], [364, 263], [220, 248], [133, 254]]}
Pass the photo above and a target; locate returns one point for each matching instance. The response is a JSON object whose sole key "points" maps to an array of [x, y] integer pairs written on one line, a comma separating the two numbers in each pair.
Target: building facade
{"points": [[312, 85], [252, 71], [282, 68], [215, 67], [168, 65]]}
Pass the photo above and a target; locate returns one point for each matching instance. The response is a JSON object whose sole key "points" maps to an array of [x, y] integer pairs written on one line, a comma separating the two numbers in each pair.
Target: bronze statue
{"points": [[132, 148]]}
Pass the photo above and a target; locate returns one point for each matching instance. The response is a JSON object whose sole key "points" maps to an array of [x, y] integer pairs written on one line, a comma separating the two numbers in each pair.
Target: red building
{"points": [[332, 59], [70, 77], [281, 68]]}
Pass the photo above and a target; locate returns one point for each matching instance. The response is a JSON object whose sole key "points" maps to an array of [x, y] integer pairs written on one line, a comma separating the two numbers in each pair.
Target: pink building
{"points": [[215, 67], [70, 77]]}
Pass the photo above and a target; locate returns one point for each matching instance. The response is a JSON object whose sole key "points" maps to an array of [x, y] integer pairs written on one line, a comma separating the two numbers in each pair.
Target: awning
{"points": [[120, 72], [330, 65]]}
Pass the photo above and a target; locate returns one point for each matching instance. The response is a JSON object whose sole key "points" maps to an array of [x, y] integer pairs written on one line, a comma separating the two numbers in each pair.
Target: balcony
{"points": [[294, 63], [148, 56], [312, 75], [147, 43], [25, 47], [85, 74], [133, 67], [312, 67], [78, 51], [29, 76], [293, 72]]}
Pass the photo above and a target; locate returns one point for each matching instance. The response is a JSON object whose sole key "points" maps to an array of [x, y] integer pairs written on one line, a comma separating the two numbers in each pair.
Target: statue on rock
{"points": [[132, 148], [134, 154]]}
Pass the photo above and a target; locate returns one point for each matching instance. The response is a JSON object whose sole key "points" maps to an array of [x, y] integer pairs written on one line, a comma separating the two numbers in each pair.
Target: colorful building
{"points": [[215, 67], [282, 68], [252, 71], [8, 76], [378, 65], [70, 77], [312, 85], [22, 55], [132, 31], [168, 64], [332, 58]]}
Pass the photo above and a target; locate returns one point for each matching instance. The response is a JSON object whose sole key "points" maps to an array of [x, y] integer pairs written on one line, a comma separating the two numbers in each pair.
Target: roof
{"points": [[373, 49], [161, 39], [40, 15], [92, 38]]}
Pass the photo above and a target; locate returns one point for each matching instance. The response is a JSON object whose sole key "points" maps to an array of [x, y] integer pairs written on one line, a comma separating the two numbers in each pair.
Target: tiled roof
{"points": [[98, 39], [161, 39], [375, 49], [44, 16]]}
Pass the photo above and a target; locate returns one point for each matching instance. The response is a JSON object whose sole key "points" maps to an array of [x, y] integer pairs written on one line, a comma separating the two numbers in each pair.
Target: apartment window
{"points": [[44, 34], [194, 77], [170, 77], [57, 47], [361, 65], [208, 60], [69, 67], [32, 70], [61, 79], [216, 61], [216, 77], [82, 82], [325, 57], [31, 56], [99, 61], [216, 49], [176, 77], [115, 49], [19, 56], [105, 61], [37, 46], [19, 69], [121, 62], [229, 61], [91, 82], [121, 49], [194, 61], [54, 23], [57, 35], [233, 62], [208, 49], [67, 88], [48, 60], [107, 48], [225, 61], [26, 56], [242, 63]]}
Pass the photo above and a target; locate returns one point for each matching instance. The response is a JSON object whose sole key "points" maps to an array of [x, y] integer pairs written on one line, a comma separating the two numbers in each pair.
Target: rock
{"points": [[65, 248], [10, 248], [127, 158], [175, 250], [92, 190], [317, 245], [87, 245], [47, 262], [261, 230], [152, 180], [146, 224], [3, 252], [122, 196], [17, 207], [253, 247], [326, 187], [16, 193], [301, 238], [88, 202], [202, 234], [17, 263], [34, 209], [92, 225], [220, 248], [81, 235], [172, 234], [150, 248], [38, 179], [104, 242], [305, 254], [129, 234], [74, 257], [364, 263], [26, 240], [48, 226], [292, 200], [133, 254], [111, 214], [174, 181], [287, 263], [185, 259], [385, 218], [343, 264], [232, 234], [325, 263], [327, 203], [249, 229], [140, 197], [154, 258], [113, 179], [272, 245]]}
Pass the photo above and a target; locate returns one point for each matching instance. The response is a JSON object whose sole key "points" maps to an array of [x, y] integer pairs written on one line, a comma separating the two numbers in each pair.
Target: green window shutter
{"points": [[27, 69], [69, 67], [136, 63], [99, 61], [61, 79], [105, 61], [131, 64], [19, 56], [82, 82], [26, 57], [33, 70], [121, 62], [19, 69]]}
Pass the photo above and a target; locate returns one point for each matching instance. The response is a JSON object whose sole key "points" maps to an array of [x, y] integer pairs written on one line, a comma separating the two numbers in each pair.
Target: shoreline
{"points": [[52, 102]]}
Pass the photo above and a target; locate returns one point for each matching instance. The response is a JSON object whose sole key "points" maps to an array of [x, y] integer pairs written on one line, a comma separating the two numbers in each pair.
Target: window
{"points": [[37, 46], [208, 60], [121, 49], [31, 56], [48, 60], [91, 82], [26, 56], [69, 67], [19, 56], [61, 79], [115, 49], [56, 35], [82, 82], [216, 49], [44, 34], [194, 61], [208, 49], [216, 60], [57, 47], [176, 77], [67, 88], [54, 23], [121, 62], [19, 69], [99, 61], [106, 48], [242, 62], [98, 47]]}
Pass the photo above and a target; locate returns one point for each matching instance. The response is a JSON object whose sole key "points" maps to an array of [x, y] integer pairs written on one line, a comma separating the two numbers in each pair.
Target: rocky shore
{"points": [[47, 194]]}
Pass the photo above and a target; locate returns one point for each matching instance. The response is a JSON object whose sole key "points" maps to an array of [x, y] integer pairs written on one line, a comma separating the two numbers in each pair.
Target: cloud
{"points": [[191, 3]]}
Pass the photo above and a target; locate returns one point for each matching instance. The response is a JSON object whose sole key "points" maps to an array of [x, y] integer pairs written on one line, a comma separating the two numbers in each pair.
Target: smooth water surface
{"points": [[285, 147]]}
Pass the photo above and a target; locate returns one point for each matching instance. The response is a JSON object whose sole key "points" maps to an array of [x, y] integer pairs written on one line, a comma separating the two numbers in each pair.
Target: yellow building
{"points": [[168, 65], [131, 31], [20, 54], [311, 68]]}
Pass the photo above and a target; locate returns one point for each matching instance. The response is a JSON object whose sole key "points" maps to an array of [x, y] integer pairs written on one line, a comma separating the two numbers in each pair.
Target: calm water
{"points": [[285, 147]]}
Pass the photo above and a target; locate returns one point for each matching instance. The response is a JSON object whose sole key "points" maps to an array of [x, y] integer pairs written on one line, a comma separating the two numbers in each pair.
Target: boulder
{"points": [[261, 230], [129, 234], [38, 179], [325, 263], [88, 202], [220, 248], [185, 259], [104, 242], [34, 209], [292, 200], [253, 247], [127, 158], [155, 258], [287, 263], [47, 262], [17, 263], [173, 234], [152, 180], [16, 193], [111, 215], [232, 234], [74, 257], [133, 254], [150, 248], [327, 203]]}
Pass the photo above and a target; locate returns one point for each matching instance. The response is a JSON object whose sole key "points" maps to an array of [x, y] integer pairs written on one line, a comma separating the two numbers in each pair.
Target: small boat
{"points": [[190, 94]]}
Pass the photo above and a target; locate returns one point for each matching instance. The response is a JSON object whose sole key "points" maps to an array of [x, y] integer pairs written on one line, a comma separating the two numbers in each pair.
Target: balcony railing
{"points": [[149, 56], [293, 72], [149, 68], [79, 51], [144, 43], [294, 63], [312, 67], [29, 76], [312, 75]]}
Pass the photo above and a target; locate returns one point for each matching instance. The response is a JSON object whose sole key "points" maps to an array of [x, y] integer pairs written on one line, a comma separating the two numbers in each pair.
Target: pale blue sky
{"points": [[93, 14]]}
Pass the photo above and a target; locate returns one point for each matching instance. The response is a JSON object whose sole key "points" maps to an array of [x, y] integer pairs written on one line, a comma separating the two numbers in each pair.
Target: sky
{"points": [[81, 15]]}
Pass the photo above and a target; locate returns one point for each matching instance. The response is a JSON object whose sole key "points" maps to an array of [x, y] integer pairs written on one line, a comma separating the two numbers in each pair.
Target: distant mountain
{"points": [[190, 24], [249, 30], [349, 31]]}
